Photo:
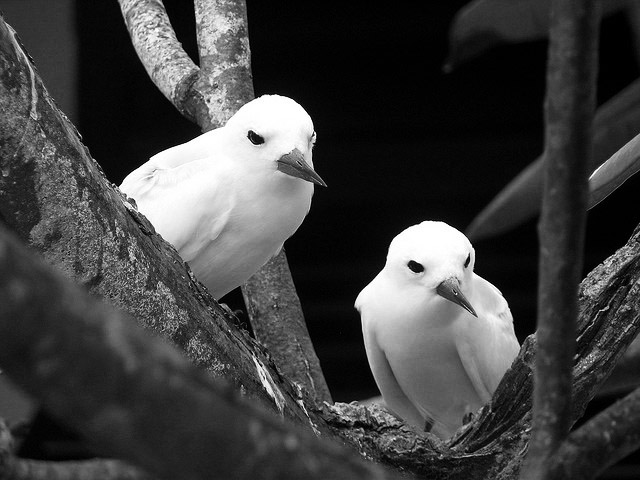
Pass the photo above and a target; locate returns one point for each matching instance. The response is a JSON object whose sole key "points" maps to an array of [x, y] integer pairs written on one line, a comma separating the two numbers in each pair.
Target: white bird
{"points": [[438, 337], [228, 199]]}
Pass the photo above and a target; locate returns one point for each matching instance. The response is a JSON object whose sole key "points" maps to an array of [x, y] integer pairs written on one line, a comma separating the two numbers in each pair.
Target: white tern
{"points": [[228, 199], [438, 337]]}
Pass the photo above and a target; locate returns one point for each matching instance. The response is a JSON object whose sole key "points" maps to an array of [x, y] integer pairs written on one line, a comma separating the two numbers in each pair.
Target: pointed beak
{"points": [[293, 164], [450, 289]]}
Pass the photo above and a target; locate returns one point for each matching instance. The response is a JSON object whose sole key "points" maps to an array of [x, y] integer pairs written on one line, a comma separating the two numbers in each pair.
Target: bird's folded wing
{"points": [[493, 346], [478, 373], [202, 146], [159, 166], [178, 203], [393, 394]]}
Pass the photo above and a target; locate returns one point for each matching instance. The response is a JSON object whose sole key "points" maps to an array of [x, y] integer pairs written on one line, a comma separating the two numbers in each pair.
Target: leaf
{"points": [[484, 24], [615, 123], [614, 172]]}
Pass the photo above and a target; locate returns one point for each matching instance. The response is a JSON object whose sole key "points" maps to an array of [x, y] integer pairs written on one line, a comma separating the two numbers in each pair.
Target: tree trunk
{"points": [[569, 107]]}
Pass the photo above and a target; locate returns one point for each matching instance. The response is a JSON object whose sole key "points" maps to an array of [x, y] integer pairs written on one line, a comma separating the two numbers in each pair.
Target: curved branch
{"points": [[160, 52], [207, 95]]}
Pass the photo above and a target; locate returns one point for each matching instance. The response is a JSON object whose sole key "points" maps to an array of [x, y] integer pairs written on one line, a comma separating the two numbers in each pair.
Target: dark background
{"points": [[398, 141]]}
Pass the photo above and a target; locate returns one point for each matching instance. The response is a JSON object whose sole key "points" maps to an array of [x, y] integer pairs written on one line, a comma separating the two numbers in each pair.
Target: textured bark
{"points": [[210, 95], [160, 52], [225, 82], [56, 197], [569, 108], [136, 397], [278, 326]]}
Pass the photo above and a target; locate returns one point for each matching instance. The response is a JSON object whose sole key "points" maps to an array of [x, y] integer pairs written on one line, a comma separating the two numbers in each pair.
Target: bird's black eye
{"points": [[415, 267], [467, 261], [255, 138]]}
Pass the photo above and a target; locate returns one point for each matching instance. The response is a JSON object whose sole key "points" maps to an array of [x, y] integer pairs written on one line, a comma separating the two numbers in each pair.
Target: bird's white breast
{"points": [[418, 337], [262, 216], [424, 356]]}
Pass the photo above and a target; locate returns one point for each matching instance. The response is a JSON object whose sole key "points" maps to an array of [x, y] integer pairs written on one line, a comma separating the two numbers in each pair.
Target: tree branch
{"points": [[570, 104], [135, 397], [56, 197], [278, 323], [224, 82], [160, 52]]}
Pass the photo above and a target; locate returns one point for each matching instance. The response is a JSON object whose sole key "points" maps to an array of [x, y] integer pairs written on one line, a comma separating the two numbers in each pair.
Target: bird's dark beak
{"points": [[450, 289], [293, 164]]}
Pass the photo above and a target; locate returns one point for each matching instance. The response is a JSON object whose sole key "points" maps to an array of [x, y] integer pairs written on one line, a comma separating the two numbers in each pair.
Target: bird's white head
{"points": [[276, 132], [433, 256]]}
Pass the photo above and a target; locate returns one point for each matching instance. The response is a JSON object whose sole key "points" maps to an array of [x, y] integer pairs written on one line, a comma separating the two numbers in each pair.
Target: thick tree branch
{"points": [[137, 398], [224, 82], [570, 104], [55, 196], [160, 52], [276, 313]]}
